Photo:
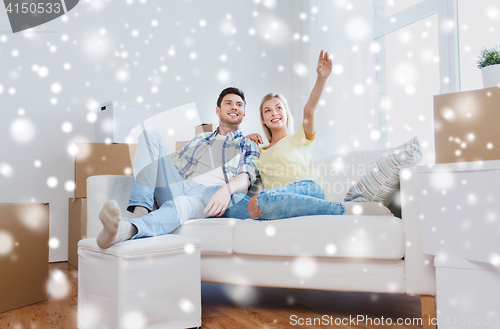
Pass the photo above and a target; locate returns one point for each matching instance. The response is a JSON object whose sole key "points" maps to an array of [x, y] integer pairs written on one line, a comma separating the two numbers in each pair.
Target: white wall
{"points": [[479, 25], [347, 114]]}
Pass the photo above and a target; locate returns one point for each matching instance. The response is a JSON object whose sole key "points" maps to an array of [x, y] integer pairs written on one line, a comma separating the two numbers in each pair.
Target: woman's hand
{"points": [[256, 138], [324, 65], [324, 69]]}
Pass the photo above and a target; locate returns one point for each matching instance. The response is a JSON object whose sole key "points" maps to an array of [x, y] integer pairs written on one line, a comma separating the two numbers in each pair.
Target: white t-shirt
{"points": [[208, 171]]}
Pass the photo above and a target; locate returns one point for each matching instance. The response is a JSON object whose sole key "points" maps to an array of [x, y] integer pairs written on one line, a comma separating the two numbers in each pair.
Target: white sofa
{"points": [[342, 253]]}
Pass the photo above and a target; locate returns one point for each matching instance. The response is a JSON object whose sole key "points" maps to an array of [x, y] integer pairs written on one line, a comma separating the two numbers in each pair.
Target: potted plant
{"points": [[489, 63]]}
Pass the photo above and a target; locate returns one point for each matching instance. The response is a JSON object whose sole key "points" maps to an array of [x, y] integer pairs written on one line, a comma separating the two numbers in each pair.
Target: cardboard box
{"points": [[204, 128], [77, 227], [466, 126], [180, 145], [93, 159], [115, 121], [24, 254]]}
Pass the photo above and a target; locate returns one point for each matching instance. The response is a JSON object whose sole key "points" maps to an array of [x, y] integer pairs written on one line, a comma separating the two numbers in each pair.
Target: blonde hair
{"points": [[289, 120]]}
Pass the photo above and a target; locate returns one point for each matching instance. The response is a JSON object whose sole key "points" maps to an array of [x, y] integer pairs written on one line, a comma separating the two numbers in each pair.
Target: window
{"points": [[394, 6], [412, 69], [410, 73]]}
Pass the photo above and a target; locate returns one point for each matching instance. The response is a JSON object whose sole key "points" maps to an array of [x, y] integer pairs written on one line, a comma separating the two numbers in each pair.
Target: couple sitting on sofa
{"points": [[210, 175]]}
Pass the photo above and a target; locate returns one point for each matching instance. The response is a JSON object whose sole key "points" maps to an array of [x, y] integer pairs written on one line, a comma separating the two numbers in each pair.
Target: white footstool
{"points": [[143, 283]]}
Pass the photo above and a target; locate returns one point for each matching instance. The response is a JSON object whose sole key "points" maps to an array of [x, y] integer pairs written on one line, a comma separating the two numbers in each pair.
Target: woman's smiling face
{"points": [[274, 114]]}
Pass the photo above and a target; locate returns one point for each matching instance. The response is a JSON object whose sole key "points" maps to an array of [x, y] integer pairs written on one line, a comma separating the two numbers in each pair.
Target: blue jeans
{"points": [[237, 208], [304, 198], [155, 176]]}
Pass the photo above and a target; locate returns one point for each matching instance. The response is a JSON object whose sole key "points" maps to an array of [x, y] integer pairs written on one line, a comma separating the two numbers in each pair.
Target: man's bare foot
{"points": [[110, 218]]}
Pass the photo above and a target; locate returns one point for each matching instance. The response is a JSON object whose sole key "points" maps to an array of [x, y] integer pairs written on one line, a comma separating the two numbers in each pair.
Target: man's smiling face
{"points": [[232, 109]]}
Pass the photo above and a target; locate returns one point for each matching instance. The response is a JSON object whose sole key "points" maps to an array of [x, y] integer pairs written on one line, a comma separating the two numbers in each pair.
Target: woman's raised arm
{"points": [[324, 69]]}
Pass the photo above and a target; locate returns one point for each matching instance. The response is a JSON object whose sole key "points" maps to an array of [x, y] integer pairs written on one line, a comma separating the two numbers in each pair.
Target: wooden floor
{"points": [[230, 306]]}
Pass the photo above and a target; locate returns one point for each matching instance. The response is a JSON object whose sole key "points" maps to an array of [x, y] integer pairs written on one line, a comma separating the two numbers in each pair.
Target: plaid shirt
{"points": [[239, 155]]}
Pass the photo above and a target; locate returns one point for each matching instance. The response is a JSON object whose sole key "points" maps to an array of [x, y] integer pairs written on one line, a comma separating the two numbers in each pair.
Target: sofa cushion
{"points": [[216, 234], [375, 237], [381, 182]]}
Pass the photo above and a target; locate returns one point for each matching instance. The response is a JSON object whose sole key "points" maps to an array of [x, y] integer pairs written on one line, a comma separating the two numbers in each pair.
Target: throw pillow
{"points": [[381, 182]]}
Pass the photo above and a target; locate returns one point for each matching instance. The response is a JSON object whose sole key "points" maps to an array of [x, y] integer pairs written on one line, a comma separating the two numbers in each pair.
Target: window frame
{"points": [[449, 55]]}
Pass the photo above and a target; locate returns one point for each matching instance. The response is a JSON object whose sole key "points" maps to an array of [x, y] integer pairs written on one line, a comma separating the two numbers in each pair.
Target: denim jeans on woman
{"points": [[304, 198]]}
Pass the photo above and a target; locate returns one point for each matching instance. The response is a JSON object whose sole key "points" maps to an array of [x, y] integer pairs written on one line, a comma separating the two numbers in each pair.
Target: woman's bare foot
{"points": [[253, 207]]}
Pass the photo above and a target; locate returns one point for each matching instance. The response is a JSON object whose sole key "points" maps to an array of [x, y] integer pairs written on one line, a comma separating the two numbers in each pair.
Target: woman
{"points": [[290, 190], [284, 164]]}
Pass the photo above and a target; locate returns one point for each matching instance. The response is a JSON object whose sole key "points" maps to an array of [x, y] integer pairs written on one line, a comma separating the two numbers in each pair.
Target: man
{"points": [[223, 160]]}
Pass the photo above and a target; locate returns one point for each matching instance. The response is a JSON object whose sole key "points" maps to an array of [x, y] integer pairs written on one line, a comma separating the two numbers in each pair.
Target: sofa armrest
{"points": [[101, 189], [419, 267]]}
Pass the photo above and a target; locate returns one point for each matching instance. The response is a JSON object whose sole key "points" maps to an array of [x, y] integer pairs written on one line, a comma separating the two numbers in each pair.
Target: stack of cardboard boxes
{"points": [[93, 159], [24, 254], [459, 207], [111, 155]]}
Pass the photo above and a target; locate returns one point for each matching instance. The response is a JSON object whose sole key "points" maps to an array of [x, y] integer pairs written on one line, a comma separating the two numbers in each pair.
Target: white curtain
{"points": [[347, 118]]}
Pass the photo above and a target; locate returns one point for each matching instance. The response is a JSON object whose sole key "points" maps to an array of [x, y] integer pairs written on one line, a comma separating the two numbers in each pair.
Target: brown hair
{"points": [[231, 90], [289, 120]]}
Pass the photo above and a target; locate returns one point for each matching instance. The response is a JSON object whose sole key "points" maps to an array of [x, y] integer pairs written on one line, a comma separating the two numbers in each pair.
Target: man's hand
{"points": [[324, 65], [220, 200], [256, 138], [218, 203]]}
